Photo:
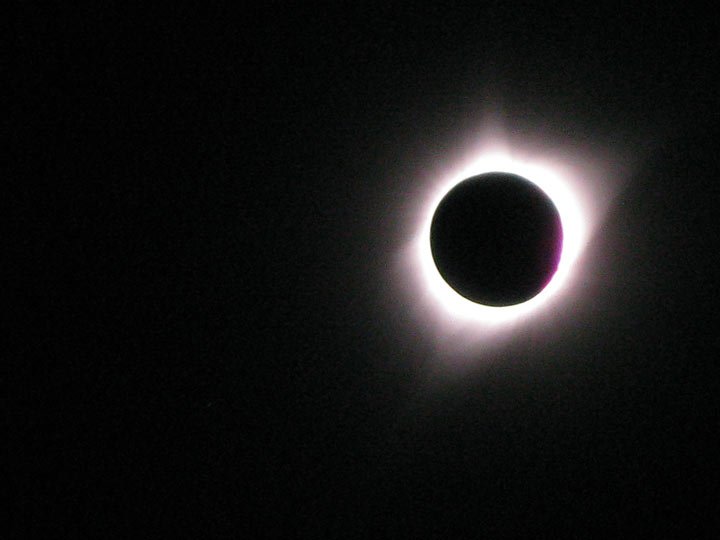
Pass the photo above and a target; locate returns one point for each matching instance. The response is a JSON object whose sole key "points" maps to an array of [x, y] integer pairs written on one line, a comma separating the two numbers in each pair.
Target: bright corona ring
{"points": [[557, 189]]}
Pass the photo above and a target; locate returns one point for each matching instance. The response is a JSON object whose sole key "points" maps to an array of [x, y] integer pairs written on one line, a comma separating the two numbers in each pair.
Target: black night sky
{"points": [[211, 334]]}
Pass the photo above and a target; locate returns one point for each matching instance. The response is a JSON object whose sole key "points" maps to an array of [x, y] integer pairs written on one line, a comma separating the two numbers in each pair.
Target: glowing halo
{"points": [[574, 237]]}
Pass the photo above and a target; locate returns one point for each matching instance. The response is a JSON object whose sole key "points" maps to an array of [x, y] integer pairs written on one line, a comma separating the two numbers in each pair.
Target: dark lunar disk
{"points": [[496, 239]]}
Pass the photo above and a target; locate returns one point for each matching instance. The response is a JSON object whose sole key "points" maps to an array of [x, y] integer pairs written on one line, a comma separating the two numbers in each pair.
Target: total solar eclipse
{"points": [[496, 239]]}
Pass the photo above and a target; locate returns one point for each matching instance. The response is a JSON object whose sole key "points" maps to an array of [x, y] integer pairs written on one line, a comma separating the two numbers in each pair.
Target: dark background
{"points": [[206, 340]]}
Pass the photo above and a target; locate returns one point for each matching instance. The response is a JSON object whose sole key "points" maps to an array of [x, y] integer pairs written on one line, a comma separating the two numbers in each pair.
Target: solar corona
{"points": [[499, 239]]}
